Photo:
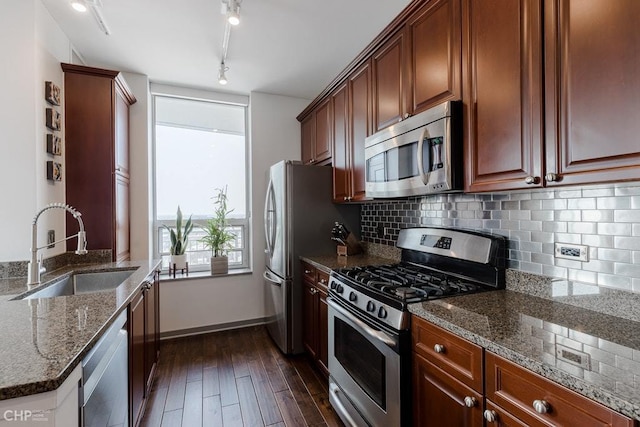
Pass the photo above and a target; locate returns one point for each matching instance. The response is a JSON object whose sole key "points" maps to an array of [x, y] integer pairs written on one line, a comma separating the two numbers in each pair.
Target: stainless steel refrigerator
{"points": [[298, 218]]}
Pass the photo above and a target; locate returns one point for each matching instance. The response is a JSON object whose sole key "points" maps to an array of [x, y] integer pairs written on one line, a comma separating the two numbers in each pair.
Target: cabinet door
{"points": [[310, 319], [439, 399], [389, 82], [503, 94], [340, 158], [592, 91], [136, 356], [150, 333], [436, 52], [323, 331], [324, 131], [360, 121], [121, 237], [308, 130]]}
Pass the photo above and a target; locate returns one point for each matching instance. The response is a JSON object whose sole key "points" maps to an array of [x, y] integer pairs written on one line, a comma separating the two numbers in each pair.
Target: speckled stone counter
{"points": [[333, 262], [528, 330], [43, 340]]}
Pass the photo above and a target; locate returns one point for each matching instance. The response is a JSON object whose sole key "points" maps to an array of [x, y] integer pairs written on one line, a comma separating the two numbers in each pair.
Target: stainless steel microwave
{"points": [[419, 155]]}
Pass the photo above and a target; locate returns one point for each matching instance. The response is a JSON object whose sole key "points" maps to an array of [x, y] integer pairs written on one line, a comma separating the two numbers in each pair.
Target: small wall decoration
{"points": [[52, 93], [54, 171], [54, 119], [54, 144]]}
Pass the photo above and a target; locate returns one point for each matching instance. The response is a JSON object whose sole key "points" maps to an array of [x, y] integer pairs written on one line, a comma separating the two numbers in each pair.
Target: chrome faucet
{"points": [[35, 265]]}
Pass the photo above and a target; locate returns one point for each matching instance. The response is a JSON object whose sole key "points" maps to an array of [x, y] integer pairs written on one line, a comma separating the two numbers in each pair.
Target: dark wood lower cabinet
{"points": [[315, 334], [441, 400], [144, 346]]}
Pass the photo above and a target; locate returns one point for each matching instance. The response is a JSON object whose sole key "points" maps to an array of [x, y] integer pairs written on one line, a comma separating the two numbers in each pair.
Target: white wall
{"points": [[201, 303], [32, 47]]}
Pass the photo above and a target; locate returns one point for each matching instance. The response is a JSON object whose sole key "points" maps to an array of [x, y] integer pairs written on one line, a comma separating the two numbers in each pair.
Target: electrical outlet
{"points": [[570, 251], [51, 237], [380, 229]]}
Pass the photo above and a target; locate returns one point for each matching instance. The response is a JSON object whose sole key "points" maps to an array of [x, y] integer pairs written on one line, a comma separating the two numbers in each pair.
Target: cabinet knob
{"points": [[490, 416], [470, 402], [531, 180], [323, 281], [438, 348], [307, 272], [346, 198], [551, 177], [541, 406]]}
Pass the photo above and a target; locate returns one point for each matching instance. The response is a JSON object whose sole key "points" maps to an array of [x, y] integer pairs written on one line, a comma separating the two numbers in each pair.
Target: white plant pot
{"points": [[180, 261], [219, 265]]}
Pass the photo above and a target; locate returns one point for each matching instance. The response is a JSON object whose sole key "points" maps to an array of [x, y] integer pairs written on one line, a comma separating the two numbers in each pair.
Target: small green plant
{"points": [[216, 237], [179, 236]]}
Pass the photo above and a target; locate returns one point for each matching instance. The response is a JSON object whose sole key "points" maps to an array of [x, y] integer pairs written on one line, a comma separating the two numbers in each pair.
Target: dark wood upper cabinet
{"points": [[360, 120], [97, 156], [592, 94], [341, 148], [323, 139], [389, 81], [434, 33], [308, 128], [502, 72]]}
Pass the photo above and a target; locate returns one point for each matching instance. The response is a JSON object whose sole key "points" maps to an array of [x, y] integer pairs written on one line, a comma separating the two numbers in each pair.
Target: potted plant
{"points": [[179, 240], [216, 237]]}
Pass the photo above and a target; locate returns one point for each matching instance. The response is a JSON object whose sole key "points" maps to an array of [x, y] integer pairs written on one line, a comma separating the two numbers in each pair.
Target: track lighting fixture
{"points": [[232, 11], [79, 5], [222, 78]]}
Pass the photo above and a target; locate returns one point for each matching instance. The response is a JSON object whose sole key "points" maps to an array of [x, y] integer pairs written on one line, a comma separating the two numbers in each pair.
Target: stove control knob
{"points": [[371, 307], [352, 296], [332, 285], [382, 313], [339, 288]]}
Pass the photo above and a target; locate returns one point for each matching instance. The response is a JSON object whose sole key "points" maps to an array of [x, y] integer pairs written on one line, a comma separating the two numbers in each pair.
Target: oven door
{"points": [[364, 366]]}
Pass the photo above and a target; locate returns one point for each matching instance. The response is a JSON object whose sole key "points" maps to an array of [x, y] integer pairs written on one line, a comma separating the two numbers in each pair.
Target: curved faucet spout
{"points": [[35, 266]]}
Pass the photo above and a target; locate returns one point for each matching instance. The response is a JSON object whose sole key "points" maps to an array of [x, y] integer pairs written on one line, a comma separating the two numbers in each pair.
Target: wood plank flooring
{"points": [[235, 378]]}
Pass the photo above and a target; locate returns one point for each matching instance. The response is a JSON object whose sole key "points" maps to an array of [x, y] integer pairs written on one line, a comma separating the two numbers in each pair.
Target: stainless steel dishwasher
{"points": [[104, 395]]}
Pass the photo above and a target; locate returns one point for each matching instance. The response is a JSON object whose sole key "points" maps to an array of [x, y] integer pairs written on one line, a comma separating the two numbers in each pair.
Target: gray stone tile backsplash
{"points": [[606, 218]]}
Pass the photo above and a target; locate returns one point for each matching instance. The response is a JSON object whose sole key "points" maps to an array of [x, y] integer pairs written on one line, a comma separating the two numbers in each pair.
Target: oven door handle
{"points": [[373, 333]]}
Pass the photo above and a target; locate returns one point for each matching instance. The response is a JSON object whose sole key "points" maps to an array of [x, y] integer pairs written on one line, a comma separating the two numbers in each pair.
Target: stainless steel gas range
{"points": [[369, 336]]}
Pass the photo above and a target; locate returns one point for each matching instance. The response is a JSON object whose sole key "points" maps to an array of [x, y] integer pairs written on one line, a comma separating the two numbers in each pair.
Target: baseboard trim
{"points": [[212, 328]]}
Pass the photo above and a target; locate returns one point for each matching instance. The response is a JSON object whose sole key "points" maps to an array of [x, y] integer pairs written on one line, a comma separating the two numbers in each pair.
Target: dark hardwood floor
{"points": [[235, 378]]}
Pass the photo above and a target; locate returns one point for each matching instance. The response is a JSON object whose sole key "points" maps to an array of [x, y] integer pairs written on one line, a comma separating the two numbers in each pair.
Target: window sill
{"points": [[165, 277]]}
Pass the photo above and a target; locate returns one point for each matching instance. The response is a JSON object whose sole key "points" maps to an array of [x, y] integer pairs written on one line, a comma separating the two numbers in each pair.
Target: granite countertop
{"points": [[333, 262], [43, 340], [528, 330]]}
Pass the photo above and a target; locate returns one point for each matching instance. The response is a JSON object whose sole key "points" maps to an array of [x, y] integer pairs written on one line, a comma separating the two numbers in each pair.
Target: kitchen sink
{"points": [[81, 283]]}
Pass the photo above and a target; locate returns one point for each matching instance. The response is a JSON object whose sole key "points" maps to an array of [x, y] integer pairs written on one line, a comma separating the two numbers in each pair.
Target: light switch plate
{"points": [[571, 251]]}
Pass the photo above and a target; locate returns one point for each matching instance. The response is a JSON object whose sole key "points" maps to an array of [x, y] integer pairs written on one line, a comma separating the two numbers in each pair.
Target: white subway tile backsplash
{"points": [[606, 218]]}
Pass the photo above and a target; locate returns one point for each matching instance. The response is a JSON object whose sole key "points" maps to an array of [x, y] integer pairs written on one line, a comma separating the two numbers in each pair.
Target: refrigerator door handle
{"points": [[269, 218], [271, 278]]}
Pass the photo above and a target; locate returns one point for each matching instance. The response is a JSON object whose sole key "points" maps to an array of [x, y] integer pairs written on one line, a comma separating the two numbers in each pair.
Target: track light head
{"points": [[222, 78], [79, 5], [232, 11]]}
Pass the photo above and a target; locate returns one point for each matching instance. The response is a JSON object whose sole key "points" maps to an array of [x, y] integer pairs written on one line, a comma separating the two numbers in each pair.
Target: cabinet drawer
{"points": [[518, 390], [459, 357], [308, 272], [322, 279]]}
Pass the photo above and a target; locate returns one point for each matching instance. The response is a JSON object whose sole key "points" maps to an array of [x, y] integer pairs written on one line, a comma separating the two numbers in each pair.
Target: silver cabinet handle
{"points": [[541, 406], [323, 281], [438, 348], [531, 180], [551, 177], [490, 416], [307, 272], [470, 401]]}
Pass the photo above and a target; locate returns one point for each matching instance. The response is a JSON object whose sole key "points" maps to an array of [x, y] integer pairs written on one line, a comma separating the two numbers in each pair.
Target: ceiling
{"points": [[284, 47]]}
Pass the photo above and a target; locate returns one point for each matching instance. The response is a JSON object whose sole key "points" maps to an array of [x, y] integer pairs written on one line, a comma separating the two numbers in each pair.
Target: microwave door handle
{"points": [[424, 176]]}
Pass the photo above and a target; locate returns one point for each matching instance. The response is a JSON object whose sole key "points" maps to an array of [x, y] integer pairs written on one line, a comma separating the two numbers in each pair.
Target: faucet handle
{"points": [[41, 267]]}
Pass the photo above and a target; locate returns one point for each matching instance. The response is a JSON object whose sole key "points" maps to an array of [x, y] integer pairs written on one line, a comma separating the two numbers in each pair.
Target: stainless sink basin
{"points": [[82, 283]]}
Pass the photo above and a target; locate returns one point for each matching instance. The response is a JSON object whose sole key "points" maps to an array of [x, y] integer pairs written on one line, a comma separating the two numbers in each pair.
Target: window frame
{"points": [[201, 96]]}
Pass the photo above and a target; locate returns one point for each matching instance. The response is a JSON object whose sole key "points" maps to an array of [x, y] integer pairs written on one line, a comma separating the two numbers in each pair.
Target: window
{"points": [[200, 146]]}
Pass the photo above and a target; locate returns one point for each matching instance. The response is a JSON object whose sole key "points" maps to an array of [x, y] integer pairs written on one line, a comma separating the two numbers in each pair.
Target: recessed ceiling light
{"points": [[79, 5]]}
